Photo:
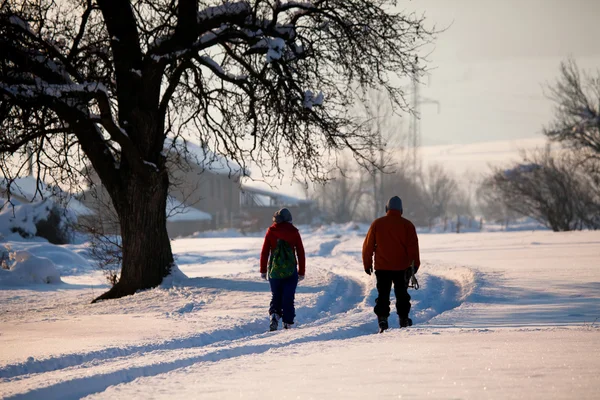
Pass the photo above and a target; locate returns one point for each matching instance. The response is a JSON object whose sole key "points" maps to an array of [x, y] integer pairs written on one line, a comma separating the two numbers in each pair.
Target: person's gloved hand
{"points": [[263, 275], [416, 269], [300, 278], [369, 270]]}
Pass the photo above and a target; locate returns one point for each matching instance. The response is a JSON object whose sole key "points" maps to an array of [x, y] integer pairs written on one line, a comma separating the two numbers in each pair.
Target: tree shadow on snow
{"points": [[557, 304], [51, 287], [201, 257], [239, 285]]}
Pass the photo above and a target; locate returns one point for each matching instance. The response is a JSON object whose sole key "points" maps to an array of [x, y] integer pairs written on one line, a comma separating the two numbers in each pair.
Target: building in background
{"points": [[258, 206], [204, 192]]}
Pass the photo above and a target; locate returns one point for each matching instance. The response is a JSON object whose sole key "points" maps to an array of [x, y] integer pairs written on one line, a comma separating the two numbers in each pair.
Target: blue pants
{"points": [[283, 292]]}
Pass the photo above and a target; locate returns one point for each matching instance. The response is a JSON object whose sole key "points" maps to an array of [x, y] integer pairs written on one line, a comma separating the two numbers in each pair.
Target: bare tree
{"points": [[461, 207], [341, 197], [577, 117], [491, 204], [438, 190], [552, 189], [107, 81], [577, 120], [562, 190]]}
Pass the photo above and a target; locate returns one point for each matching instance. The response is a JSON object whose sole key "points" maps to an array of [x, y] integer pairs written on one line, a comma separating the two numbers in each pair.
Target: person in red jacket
{"points": [[282, 235], [393, 240]]}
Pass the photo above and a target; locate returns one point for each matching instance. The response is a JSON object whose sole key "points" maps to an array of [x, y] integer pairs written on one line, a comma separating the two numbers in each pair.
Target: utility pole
{"points": [[379, 113], [415, 127], [381, 199], [414, 121], [378, 194]]}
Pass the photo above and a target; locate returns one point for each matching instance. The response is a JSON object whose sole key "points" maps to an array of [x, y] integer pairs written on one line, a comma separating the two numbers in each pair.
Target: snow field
{"points": [[497, 316]]}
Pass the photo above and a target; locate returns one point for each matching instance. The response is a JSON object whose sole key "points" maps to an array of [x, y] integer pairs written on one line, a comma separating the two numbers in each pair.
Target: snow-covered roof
{"points": [[177, 212], [32, 189], [283, 199], [207, 159]]}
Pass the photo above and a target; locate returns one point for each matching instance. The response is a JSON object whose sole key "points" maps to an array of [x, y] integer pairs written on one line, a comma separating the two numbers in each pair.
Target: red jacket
{"points": [[394, 241], [290, 234]]}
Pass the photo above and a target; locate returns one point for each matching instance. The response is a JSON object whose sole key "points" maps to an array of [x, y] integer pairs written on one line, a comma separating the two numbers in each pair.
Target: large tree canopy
{"points": [[107, 81]]}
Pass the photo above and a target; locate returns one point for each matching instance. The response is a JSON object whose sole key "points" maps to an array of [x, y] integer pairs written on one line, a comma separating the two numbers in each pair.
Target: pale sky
{"points": [[490, 67]]}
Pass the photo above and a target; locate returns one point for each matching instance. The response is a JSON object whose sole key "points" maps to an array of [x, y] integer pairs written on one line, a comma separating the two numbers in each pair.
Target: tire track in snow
{"points": [[82, 363], [33, 366], [341, 288], [343, 310]]}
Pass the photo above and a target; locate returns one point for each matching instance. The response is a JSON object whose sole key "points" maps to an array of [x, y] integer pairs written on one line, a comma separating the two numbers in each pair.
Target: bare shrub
{"points": [[552, 189], [57, 228], [105, 243], [340, 198]]}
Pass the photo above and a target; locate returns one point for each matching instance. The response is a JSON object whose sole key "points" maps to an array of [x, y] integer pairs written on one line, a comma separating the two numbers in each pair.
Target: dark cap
{"points": [[395, 203]]}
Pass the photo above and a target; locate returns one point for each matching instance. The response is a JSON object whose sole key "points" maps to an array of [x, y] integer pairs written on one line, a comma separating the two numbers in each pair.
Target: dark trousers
{"points": [[384, 287], [283, 292]]}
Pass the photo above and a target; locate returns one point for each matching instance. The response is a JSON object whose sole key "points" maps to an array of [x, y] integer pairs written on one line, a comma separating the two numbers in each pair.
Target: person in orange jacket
{"points": [[283, 288], [393, 240]]}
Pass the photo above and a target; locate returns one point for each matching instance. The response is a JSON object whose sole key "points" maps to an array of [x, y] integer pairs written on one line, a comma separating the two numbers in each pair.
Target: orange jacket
{"points": [[394, 241]]}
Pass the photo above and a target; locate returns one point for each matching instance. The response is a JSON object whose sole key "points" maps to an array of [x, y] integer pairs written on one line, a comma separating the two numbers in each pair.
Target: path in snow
{"points": [[334, 302]]}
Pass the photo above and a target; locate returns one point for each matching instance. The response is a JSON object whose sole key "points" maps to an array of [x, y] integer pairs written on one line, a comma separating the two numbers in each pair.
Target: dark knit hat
{"points": [[283, 215], [395, 203]]}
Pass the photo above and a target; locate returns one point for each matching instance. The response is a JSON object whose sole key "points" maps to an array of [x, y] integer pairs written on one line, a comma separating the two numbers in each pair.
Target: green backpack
{"points": [[283, 261]]}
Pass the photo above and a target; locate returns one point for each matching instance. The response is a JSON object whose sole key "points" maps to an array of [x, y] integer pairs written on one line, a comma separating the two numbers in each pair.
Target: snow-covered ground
{"points": [[507, 315]]}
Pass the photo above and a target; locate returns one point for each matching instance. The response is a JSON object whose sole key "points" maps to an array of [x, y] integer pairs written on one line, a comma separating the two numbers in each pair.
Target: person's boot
{"points": [[287, 326], [383, 323], [274, 322], [405, 322]]}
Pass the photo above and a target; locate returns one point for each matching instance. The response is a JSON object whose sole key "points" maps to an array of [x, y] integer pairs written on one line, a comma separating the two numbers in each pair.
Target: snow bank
{"points": [[175, 277], [27, 269], [24, 218]]}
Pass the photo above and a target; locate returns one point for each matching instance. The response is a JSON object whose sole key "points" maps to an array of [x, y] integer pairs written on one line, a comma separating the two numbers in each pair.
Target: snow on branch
{"points": [[295, 4], [218, 70], [15, 20], [311, 100], [224, 10], [52, 90], [276, 47]]}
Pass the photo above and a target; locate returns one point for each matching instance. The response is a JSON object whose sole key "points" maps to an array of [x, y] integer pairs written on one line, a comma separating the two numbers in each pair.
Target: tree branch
{"points": [[125, 44]]}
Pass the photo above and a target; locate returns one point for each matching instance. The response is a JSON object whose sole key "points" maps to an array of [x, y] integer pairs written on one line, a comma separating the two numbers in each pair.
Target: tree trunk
{"points": [[147, 256]]}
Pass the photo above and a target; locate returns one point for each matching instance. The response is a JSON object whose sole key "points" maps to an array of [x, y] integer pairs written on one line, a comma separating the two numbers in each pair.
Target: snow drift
{"points": [[25, 268]]}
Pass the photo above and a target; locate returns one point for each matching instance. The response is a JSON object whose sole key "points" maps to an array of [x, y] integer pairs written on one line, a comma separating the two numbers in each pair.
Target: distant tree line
{"points": [[429, 197]]}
